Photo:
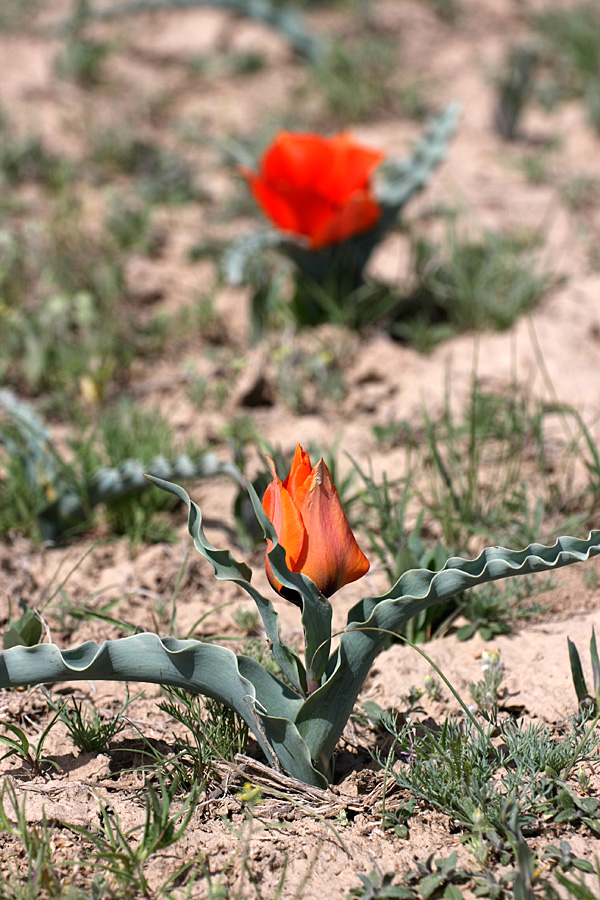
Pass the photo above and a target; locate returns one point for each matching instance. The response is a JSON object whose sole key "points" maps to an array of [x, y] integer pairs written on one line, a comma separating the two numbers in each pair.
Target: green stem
{"points": [[311, 686]]}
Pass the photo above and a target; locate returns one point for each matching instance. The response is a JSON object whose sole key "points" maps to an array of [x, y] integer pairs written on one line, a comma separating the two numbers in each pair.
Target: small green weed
{"points": [[161, 176], [23, 158], [90, 730], [129, 223], [124, 854], [515, 86], [42, 877], [354, 79], [581, 193], [469, 285], [536, 167], [491, 609], [216, 733], [81, 58], [486, 693], [587, 699], [30, 755], [247, 620], [378, 886], [572, 46]]}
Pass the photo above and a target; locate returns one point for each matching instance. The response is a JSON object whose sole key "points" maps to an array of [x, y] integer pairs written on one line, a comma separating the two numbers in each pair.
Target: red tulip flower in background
{"points": [[317, 188], [312, 527]]}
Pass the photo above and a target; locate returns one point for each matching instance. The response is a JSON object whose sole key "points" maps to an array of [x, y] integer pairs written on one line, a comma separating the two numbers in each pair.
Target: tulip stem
{"points": [[311, 686]]}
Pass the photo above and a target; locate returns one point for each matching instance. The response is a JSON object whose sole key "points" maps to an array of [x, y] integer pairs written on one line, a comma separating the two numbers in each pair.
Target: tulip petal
{"points": [[359, 215], [330, 555], [317, 187], [300, 470], [287, 522], [297, 159], [348, 169]]}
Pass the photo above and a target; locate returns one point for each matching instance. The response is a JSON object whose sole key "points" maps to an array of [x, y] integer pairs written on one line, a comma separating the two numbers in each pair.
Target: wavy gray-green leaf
{"points": [[261, 700], [323, 716], [226, 568]]}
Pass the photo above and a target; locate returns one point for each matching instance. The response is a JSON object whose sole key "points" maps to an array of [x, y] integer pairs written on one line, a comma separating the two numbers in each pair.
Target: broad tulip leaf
{"points": [[226, 568], [240, 683], [316, 609], [324, 714]]}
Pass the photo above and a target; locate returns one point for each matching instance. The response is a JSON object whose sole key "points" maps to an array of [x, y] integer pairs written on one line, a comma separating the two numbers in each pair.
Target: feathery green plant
{"points": [[216, 733]]}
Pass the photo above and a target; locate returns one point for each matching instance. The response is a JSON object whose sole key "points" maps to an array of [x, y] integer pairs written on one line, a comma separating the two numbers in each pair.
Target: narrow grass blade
{"points": [[577, 672]]}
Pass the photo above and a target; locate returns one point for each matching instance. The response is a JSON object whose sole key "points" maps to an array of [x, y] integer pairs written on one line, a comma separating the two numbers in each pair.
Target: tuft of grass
{"points": [[41, 876], [216, 733], [581, 192], [65, 328], [24, 158], [161, 176], [124, 855], [492, 609], [91, 731], [571, 36], [127, 431], [81, 59], [129, 223], [355, 80], [473, 479], [469, 285], [31, 756]]}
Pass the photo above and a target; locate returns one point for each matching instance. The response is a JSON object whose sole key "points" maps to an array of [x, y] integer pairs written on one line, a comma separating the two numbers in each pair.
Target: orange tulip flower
{"points": [[312, 527], [316, 187]]}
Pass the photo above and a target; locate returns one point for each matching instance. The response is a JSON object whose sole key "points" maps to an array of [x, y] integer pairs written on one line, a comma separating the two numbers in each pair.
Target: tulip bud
{"points": [[312, 528], [317, 188]]}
